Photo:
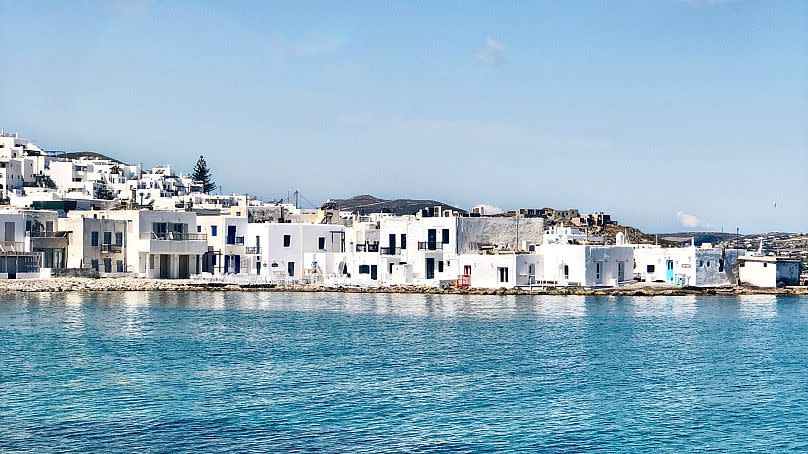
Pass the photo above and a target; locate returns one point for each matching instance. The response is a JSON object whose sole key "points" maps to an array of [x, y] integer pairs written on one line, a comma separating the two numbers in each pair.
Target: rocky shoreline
{"points": [[137, 284]]}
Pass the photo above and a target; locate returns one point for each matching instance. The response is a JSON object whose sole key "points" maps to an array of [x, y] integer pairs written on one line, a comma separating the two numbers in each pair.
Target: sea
{"points": [[329, 372]]}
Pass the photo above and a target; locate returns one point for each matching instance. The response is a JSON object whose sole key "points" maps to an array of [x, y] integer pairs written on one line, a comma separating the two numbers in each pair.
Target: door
{"points": [[185, 268], [374, 272], [9, 236], [11, 263], [431, 239], [237, 263], [165, 262], [290, 268], [669, 270], [227, 264], [621, 271], [598, 272], [231, 234], [430, 268], [392, 243]]}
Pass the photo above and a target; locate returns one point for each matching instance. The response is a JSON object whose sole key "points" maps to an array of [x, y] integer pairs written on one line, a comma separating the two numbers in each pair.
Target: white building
{"points": [[227, 251], [279, 250], [568, 261], [96, 242], [16, 260], [702, 266], [768, 271], [162, 244]]}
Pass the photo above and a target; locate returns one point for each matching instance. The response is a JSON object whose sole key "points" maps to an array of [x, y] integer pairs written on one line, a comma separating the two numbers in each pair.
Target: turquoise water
{"points": [[273, 372]]}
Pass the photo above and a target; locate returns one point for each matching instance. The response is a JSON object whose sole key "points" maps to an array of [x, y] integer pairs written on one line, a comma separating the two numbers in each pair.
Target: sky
{"points": [[669, 114]]}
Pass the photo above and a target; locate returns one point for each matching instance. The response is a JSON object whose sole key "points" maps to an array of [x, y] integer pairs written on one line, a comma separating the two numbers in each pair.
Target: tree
{"points": [[202, 175]]}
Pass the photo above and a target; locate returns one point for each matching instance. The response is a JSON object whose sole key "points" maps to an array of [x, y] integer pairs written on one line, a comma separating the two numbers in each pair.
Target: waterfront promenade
{"points": [[140, 284]]}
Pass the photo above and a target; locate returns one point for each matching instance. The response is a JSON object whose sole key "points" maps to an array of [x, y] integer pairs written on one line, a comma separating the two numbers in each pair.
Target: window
{"points": [[94, 264], [287, 240], [214, 230], [290, 268], [708, 263], [321, 243], [199, 229], [94, 239], [566, 271], [364, 269], [765, 265], [107, 238], [440, 267], [390, 268], [119, 238], [649, 269], [445, 239], [502, 271], [701, 263], [403, 241], [119, 266]]}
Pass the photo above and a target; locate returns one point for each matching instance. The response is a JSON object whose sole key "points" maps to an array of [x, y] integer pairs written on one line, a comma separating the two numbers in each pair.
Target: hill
{"points": [[366, 204]]}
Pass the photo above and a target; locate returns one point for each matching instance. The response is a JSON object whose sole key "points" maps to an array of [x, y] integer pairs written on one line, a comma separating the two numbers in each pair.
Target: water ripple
{"points": [[272, 372]]}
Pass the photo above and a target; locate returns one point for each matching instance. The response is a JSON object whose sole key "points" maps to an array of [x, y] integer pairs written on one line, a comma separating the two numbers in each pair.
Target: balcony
{"points": [[173, 236], [367, 247], [253, 250], [108, 248], [390, 250], [47, 234], [430, 246], [12, 246], [235, 240]]}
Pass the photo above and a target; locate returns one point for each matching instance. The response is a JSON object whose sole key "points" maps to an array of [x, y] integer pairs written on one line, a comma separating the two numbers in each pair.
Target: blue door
{"points": [[669, 270], [237, 263]]}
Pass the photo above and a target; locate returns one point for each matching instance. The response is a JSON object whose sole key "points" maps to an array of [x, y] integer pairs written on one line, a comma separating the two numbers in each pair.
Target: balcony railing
{"points": [[253, 250], [47, 234], [430, 246], [369, 247], [238, 240], [107, 248], [389, 250], [12, 246], [173, 236]]}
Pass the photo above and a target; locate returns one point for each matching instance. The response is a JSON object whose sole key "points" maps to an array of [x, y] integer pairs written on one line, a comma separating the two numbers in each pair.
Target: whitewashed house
{"points": [[162, 244], [569, 261], [96, 241], [16, 260], [227, 250], [279, 250], [768, 271], [703, 266]]}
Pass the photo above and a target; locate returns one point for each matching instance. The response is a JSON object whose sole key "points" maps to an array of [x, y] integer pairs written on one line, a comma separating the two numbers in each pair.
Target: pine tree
{"points": [[201, 174]]}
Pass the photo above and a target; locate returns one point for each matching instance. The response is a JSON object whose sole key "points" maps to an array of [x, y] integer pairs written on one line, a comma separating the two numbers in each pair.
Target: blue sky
{"points": [[670, 114]]}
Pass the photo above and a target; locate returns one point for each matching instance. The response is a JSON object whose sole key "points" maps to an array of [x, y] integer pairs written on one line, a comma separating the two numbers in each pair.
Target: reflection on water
{"points": [[757, 306], [73, 315], [665, 306]]}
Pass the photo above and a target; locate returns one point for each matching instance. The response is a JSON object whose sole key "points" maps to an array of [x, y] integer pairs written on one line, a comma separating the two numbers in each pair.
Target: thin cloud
{"points": [[493, 54], [690, 221]]}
